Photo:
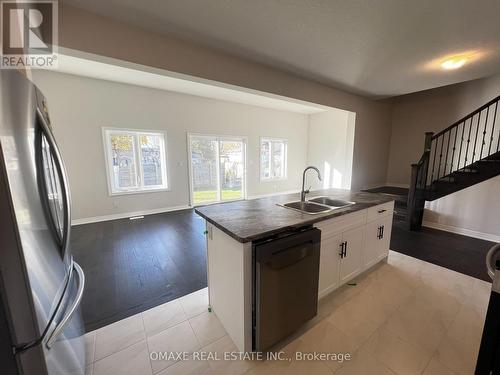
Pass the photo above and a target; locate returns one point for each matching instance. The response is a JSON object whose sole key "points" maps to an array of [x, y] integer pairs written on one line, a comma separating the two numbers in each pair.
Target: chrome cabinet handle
{"points": [[60, 326], [64, 183], [381, 211]]}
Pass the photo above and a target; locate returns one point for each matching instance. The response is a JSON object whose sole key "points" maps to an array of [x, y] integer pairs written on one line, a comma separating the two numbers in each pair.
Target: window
{"points": [[273, 154], [135, 160], [217, 168]]}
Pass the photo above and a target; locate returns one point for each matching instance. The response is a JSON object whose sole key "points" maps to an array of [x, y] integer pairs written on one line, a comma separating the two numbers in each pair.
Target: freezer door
{"points": [[52, 181], [35, 262], [63, 351], [65, 346]]}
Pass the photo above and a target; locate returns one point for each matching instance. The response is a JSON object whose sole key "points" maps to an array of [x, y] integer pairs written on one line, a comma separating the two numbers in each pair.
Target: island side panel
{"points": [[230, 285]]}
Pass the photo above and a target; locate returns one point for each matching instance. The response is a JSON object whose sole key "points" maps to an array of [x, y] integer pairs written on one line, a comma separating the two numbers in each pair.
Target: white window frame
{"points": [[285, 171], [136, 133], [217, 138]]}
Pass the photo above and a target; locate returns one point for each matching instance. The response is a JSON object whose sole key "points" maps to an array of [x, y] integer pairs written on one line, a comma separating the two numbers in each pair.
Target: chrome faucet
{"points": [[304, 192]]}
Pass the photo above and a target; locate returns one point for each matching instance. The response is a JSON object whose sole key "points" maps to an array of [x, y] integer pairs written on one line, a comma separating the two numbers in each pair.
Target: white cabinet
{"points": [[351, 258], [229, 271], [385, 236], [336, 268], [372, 243], [352, 243], [378, 234], [329, 264]]}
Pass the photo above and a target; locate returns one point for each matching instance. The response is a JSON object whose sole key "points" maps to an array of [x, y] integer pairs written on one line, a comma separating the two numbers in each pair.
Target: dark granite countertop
{"points": [[254, 219]]}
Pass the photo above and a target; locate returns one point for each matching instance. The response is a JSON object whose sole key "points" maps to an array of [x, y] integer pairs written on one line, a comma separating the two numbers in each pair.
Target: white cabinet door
{"points": [[385, 240], [372, 248], [329, 264], [378, 237], [352, 262]]}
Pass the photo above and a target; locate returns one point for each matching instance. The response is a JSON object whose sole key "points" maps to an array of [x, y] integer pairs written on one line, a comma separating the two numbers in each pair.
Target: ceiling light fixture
{"points": [[454, 62]]}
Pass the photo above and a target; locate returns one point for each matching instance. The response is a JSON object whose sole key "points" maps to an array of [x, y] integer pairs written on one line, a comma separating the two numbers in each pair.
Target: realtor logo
{"points": [[29, 34]]}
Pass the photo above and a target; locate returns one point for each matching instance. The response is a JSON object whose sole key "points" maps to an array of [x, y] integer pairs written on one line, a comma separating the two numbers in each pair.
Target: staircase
{"points": [[462, 155]]}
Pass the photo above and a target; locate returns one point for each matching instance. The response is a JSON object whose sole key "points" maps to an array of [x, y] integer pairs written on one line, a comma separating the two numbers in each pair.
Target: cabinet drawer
{"points": [[380, 211], [342, 223]]}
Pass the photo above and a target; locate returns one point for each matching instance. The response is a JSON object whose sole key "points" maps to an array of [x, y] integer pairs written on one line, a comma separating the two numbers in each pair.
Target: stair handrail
{"points": [[466, 117], [461, 147], [466, 141]]}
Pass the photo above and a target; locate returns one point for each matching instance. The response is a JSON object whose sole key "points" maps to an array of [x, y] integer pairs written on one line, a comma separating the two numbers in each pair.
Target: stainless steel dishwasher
{"points": [[285, 293]]}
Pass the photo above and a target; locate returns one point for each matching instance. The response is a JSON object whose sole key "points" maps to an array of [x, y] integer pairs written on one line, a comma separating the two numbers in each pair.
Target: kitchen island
{"points": [[353, 239]]}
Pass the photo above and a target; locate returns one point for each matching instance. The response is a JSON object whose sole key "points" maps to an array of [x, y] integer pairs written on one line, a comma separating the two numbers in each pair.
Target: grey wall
{"points": [[431, 110], [474, 209], [81, 106], [88, 32]]}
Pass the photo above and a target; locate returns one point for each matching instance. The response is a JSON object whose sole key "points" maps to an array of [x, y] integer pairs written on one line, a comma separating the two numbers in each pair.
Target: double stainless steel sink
{"points": [[318, 205]]}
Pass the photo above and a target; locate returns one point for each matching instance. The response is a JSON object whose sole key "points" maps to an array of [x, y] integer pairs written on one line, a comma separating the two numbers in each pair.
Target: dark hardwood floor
{"points": [[133, 265], [459, 253], [463, 254]]}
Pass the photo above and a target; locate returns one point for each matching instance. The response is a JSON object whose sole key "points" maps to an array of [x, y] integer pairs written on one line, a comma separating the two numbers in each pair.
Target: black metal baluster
{"points": [[454, 148], [484, 133], [498, 141], [493, 129], [468, 142], [441, 156], [435, 141], [447, 150], [475, 138], [461, 143]]}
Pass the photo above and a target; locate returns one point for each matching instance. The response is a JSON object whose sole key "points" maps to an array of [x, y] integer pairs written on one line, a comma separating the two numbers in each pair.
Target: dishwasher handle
{"points": [[288, 257]]}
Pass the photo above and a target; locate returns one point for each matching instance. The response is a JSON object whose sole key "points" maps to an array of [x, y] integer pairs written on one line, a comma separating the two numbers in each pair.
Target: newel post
{"points": [[411, 217], [428, 141]]}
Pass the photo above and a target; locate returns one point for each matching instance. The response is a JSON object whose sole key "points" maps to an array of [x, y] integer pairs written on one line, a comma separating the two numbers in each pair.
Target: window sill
{"points": [[142, 191], [215, 202], [274, 179]]}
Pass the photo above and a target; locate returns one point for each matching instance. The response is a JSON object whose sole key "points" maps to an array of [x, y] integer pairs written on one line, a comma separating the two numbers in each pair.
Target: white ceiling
{"points": [[99, 67], [377, 48]]}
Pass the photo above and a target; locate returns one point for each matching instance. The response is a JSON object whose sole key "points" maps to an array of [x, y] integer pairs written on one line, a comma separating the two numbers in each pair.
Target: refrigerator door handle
{"points": [[65, 186], [60, 326], [490, 260]]}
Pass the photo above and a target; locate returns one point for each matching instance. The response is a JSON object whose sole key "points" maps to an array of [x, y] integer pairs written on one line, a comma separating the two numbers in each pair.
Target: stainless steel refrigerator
{"points": [[41, 329]]}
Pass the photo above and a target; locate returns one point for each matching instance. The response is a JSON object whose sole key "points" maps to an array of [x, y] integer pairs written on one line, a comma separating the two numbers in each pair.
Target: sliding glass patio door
{"points": [[217, 168]]}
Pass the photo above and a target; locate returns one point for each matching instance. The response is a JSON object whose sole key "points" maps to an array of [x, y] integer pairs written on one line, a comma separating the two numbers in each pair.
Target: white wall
{"points": [[474, 210], [80, 106], [83, 31], [331, 143]]}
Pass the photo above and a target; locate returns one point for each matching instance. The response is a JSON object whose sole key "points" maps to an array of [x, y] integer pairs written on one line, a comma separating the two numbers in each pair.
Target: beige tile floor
{"points": [[403, 317]]}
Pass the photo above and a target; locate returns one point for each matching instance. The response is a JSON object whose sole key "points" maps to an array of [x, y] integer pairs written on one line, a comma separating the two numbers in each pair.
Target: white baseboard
{"points": [[125, 215], [463, 231]]}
